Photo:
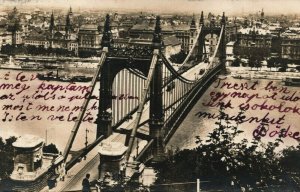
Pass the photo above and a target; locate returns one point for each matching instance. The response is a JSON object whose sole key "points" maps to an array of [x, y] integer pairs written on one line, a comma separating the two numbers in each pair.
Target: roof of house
{"points": [[58, 35], [171, 40], [89, 27], [143, 27], [182, 27], [28, 141], [259, 31]]}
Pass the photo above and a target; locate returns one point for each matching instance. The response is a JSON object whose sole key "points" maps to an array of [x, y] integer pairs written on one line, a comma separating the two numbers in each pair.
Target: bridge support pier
{"points": [[158, 149], [156, 113], [112, 161]]}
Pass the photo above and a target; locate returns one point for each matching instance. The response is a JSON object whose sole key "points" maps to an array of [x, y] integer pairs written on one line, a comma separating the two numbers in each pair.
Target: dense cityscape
{"points": [[71, 33]]}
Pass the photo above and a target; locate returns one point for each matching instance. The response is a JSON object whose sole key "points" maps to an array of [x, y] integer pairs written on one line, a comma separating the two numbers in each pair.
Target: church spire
{"points": [[201, 19], [223, 20], [51, 27], [106, 38], [193, 23], [68, 26], [70, 11], [262, 16]]}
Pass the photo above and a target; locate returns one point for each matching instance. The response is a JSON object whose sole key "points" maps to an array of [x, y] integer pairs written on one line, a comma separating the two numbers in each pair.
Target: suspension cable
{"points": [[85, 104], [142, 103], [218, 44], [174, 72]]}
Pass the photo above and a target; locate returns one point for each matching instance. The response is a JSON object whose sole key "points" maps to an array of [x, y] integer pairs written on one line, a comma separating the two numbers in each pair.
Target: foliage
{"points": [[226, 162], [87, 53], [236, 62], [6, 157], [271, 62], [51, 148], [277, 62], [290, 159], [179, 57]]}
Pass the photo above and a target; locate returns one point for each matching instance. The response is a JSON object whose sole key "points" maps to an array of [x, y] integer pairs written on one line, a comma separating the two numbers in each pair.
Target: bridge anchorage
{"points": [[143, 100]]}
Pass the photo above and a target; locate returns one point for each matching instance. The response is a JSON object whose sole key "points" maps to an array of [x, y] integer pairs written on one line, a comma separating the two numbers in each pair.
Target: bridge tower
{"points": [[222, 48], [104, 119], [201, 41], [213, 28], [156, 99]]}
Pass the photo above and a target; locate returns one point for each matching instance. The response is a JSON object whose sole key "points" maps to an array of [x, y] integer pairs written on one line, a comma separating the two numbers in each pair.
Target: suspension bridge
{"points": [[156, 98]]}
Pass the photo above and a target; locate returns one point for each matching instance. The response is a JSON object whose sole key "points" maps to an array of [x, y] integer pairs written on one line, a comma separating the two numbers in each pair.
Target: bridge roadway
{"points": [[77, 173]]}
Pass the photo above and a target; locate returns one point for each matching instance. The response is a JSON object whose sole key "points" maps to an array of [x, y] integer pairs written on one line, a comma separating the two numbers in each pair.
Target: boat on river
{"points": [[292, 81], [52, 76], [17, 65]]}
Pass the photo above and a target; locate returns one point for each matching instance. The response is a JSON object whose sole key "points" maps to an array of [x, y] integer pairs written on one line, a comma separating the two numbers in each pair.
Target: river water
{"points": [[52, 128], [57, 131], [193, 125]]}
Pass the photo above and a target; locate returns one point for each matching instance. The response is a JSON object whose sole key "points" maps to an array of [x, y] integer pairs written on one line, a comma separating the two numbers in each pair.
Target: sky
{"points": [[191, 6]]}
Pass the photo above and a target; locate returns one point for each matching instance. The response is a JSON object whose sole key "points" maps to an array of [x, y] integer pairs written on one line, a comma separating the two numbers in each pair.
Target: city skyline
{"points": [[231, 7]]}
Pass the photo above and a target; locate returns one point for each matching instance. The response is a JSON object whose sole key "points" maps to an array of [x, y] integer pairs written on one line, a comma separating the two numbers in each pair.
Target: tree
{"points": [[283, 64], [271, 62], [290, 160], [230, 164], [236, 62], [179, 57], [6, 157], [51, 148]]}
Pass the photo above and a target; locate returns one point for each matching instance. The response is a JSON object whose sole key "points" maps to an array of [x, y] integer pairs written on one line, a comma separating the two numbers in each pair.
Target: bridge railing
{"points": [[182, 110]]}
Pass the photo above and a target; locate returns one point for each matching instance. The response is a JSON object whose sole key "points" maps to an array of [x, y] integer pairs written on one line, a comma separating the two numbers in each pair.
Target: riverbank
{"points": [[262, 73]]}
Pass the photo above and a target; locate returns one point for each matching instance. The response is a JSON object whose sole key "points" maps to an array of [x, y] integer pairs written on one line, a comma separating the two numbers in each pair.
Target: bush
{"points": [[178, 58], [6, 157], [51, 148], [225, 162]]}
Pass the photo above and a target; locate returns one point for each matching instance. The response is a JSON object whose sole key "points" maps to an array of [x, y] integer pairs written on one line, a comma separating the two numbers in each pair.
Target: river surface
{"points": [[57, 131], [193, 125]]}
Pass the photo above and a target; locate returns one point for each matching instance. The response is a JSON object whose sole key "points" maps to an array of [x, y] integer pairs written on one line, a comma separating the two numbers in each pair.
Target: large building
{"points": [[185, 34], [253, 38], [290, 48], [5, 37], [89, 38]]}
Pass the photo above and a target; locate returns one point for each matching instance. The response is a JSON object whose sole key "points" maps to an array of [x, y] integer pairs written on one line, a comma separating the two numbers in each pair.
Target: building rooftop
{"points": [[231, 43], [259, 31], [171, 40], [143, 27], [89, 27], [28, 141], [182, 27]]}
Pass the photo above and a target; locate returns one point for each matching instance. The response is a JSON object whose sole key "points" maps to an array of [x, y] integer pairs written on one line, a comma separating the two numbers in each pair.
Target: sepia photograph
{"points": [[149, 96]]}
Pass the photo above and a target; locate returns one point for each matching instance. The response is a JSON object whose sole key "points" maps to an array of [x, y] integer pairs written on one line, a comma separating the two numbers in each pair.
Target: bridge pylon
{"points": [[211, 29], [156, 100], [104, 119], [222, 48]]}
